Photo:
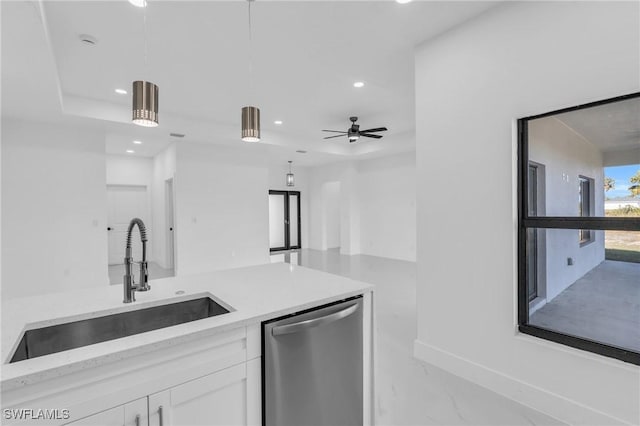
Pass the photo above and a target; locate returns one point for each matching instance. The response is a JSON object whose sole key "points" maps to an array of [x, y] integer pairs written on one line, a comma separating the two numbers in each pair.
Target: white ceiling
{"points": [[306, 56], [610, 127]]}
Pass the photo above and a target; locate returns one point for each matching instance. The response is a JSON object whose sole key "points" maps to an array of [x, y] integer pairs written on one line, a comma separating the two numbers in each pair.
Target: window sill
{"points": [[587, 242], [583, 344]]}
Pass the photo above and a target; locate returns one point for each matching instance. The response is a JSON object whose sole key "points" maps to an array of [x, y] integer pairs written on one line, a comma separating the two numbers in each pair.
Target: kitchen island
{"points": [[209, 369]]}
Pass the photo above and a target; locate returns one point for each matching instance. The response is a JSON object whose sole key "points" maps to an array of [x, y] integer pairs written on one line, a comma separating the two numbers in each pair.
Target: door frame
{"points": [[532, 252], [540, 247], [287, 220], [170, 228]]}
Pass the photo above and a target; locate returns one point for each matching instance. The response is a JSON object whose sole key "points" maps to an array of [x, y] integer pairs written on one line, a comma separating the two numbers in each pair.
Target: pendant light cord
{"points": [[144, 31], [250, 55]]}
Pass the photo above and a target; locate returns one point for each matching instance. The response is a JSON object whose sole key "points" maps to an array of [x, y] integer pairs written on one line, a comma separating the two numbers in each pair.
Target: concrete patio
{"points": [[603, 305]]}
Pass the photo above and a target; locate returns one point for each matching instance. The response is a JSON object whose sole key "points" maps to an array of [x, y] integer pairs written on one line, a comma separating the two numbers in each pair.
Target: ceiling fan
{"points": [[354, 131]]}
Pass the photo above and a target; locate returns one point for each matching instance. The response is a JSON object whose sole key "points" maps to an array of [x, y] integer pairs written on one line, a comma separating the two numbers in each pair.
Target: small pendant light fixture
{"points": [[250, 114], [290, 181], [145, 104], [251, 124], [145, 94]]}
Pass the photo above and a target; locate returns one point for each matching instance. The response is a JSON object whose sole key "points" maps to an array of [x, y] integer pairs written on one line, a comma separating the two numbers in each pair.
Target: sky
{"points": [[621, 174]]}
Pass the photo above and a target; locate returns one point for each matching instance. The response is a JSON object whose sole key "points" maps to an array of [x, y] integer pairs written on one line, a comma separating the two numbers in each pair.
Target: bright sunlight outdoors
{"points": [[622, 199]]}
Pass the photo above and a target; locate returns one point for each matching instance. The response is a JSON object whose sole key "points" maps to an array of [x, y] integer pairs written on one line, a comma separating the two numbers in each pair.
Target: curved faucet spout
{"points": [[130, 287]]}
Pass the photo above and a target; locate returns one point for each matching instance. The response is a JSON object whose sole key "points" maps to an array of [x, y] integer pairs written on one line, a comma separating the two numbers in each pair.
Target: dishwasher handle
{"points": [[315, 322]]}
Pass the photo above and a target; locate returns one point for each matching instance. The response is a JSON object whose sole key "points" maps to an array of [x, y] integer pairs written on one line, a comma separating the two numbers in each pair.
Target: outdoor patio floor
{"points": [[603, 305]]}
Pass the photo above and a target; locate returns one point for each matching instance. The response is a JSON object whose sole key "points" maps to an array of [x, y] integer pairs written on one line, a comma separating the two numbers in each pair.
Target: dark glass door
{"points": [[284, 220], [532, 237]]}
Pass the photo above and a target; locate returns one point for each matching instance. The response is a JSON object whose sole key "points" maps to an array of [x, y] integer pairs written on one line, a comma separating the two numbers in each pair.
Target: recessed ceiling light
{"points": [[130, 151], [138, 3], [397, 1], [278, 122], [358, 84], [121, 91], [138, 142]]}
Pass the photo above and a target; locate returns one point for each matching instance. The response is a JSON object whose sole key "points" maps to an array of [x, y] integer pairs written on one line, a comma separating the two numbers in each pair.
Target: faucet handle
{"points": [[144, 277]]}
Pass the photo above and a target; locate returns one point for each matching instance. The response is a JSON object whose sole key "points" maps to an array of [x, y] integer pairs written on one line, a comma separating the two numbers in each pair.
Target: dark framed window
{"points": [[566, 276], [585, 196]]}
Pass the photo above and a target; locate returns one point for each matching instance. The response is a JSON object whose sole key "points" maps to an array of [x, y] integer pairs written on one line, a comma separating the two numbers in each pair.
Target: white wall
{"points": [[565, 156], [164, 168], [377, 206], [54, 235], [387, 194], [222, 209], [472, 83], [129, 170]]}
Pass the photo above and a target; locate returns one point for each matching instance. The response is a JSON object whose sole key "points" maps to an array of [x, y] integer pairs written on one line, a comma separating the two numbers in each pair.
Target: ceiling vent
{"points": [[177, 135], [88, 39], [301, 151]]}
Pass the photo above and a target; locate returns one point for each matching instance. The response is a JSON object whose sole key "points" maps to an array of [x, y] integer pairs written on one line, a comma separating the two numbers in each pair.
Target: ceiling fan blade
{"points": [[377, 129], [336, 136], [335, 131], [366, 135]]}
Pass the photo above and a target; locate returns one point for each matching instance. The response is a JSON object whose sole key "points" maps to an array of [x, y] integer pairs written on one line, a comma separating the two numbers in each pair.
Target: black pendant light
{"points": [[290, 181], [250, 114], [145, 93]]}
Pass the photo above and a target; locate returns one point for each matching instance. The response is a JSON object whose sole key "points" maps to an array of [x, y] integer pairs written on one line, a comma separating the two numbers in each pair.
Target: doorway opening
{"points": [[124, 202], [284, 220], [169, 225]]}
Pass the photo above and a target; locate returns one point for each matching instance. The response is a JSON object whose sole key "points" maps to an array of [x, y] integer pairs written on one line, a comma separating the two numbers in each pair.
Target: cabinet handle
{"points": [[160, 416], [138, 420]]}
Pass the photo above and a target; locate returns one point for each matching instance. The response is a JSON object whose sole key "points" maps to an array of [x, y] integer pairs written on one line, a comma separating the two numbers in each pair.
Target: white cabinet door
{"points": [[216, 399], [133, 413]]}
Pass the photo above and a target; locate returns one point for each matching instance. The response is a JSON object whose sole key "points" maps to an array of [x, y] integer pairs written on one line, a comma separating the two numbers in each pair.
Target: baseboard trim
{"points": [[563, 409]]}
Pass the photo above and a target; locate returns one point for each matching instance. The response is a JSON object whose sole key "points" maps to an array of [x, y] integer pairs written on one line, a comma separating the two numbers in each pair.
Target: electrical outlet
{"points": [[570, 261]]}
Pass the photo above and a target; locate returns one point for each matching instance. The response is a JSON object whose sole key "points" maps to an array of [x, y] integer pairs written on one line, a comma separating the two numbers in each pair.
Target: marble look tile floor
{"points": [[408, 391]]}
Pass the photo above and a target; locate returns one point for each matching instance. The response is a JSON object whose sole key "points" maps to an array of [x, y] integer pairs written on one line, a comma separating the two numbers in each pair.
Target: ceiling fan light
{"points": [[145, 104], [251, 124]]}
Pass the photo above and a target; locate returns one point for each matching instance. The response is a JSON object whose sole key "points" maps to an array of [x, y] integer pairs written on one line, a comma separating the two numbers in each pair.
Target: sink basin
{"points": [[71, 335]]}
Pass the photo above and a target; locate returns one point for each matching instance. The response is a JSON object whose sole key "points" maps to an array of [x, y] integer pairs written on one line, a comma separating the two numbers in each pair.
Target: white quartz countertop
{"points": [[254, 293]]}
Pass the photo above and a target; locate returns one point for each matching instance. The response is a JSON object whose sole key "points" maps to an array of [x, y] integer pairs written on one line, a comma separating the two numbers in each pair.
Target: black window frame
{"points": [[525, 221], [585, 184]]}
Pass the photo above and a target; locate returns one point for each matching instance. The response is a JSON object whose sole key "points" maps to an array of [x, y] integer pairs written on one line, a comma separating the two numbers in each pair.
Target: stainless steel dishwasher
{"points": [[312, 367]]}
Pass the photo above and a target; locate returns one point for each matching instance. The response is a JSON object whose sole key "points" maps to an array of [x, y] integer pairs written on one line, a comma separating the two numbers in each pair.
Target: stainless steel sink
{"points": [[71, 335]]}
